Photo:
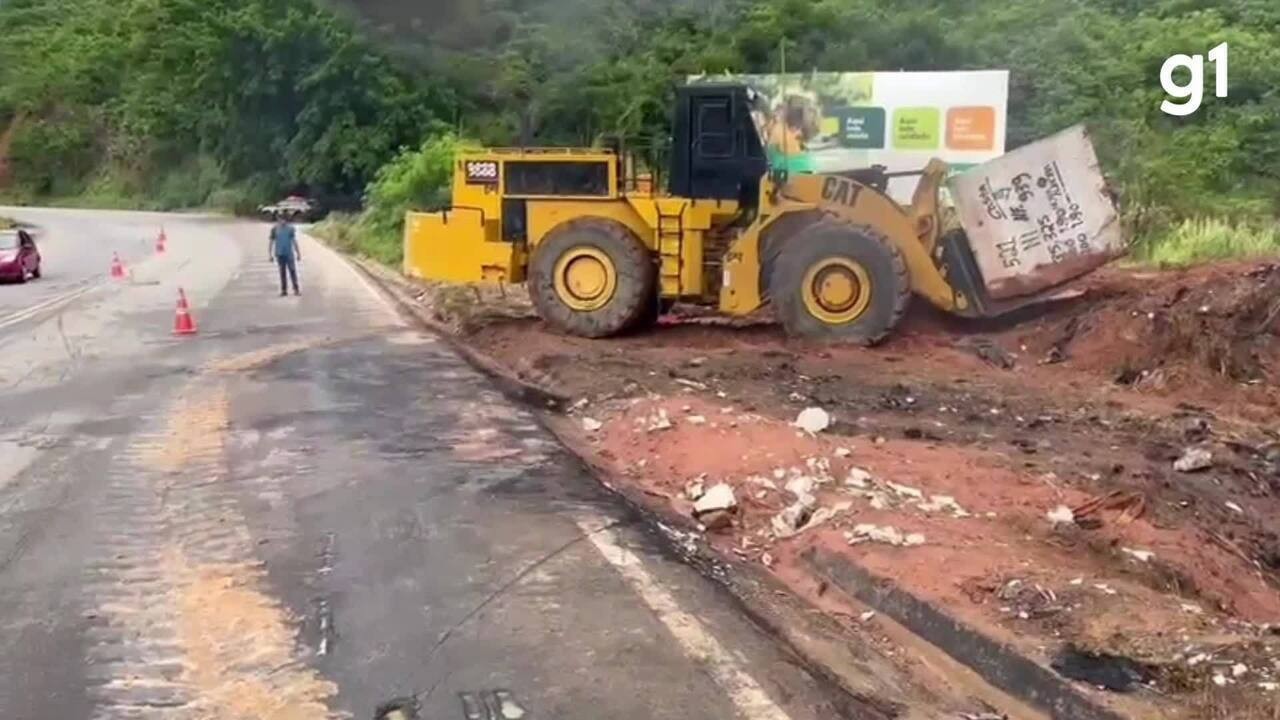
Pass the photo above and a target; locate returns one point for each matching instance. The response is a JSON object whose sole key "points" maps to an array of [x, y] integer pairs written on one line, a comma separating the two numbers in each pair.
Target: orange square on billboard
{"points": [[971, 128]]}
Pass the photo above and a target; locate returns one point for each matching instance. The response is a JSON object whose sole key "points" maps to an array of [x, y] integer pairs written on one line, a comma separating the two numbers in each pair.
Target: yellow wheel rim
{"points": [[585, 279], [836, 290]]}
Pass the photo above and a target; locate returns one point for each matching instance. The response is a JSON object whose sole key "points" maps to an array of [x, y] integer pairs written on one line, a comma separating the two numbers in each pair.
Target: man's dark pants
{"points": [[288, 268]]}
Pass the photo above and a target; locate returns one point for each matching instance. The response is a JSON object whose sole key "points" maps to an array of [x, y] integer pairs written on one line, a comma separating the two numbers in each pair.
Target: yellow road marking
{"points": [[237, 645]]}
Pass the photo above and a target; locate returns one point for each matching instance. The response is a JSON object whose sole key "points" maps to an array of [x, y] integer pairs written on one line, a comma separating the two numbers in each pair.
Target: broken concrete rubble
{"points": [[804, 514], [820, 516], [905, 491], [793, 517], [1061, 515], [813, 420], [1194, 459], [944, 503], [802, 486], [820, 468], [858, 478], [719, 497], [1139, 555], [694, 490], [796, 515], [656, 421], [887, 535]]}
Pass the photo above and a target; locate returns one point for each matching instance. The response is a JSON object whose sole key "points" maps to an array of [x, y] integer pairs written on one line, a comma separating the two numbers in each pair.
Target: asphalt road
{"points": [[77, 248], [315, 510]]}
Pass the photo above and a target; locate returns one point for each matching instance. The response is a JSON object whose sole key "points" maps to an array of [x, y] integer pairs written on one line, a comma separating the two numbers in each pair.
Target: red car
{"points": [[19, 258]]}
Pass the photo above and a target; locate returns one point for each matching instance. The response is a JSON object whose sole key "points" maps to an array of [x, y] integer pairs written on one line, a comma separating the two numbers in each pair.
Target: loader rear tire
{"points": [[840, 282], [592, 277]]}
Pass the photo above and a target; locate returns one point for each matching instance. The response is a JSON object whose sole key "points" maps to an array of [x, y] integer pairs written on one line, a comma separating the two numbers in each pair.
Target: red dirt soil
{"points": [[1102, 395]]}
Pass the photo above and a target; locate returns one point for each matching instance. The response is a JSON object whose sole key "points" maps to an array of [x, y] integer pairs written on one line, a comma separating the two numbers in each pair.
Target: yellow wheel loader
{"points": [[606, 245]]}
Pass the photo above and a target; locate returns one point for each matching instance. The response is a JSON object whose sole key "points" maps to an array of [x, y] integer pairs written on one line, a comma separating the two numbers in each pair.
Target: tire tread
{"points": [[792, 260], [632, 261]]}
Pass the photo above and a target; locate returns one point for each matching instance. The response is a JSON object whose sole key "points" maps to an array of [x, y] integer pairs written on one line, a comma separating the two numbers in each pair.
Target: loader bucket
{"points": [[459, 245]]}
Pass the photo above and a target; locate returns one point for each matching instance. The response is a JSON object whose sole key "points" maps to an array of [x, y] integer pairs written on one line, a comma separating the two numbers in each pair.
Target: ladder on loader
{"points": [[671, 249]]}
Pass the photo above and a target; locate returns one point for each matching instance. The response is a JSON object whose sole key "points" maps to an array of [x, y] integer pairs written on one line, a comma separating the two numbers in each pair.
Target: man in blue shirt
{"points": [[283, 247]]}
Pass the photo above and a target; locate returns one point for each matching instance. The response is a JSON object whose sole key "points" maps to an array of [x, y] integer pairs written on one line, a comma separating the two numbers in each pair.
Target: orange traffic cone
{"points": [[161, 240], [183, 323], [117, 267]]}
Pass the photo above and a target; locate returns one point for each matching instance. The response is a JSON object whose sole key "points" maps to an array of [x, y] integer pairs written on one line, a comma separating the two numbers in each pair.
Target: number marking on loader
{"points": [[480, 172]]}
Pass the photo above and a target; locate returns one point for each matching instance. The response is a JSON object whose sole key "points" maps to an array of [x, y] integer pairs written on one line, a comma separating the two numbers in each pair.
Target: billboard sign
{"points": [[832, 122]]}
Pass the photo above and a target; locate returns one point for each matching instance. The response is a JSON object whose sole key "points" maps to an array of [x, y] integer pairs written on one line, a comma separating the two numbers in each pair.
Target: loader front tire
{"points": [[840, 282], [592, 277]]}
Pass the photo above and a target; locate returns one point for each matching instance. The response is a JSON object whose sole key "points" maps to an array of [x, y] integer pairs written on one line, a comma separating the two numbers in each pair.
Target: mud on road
{"points": [[1095, 485]]}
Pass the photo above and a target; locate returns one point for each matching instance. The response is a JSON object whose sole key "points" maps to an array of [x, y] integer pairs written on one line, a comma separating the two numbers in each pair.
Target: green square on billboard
{"points": [[862, 128], [917, 128]]}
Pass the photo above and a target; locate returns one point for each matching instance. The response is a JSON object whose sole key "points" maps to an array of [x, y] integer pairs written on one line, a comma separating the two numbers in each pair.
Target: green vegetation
{"points": [[166, 103], [1205, 239], [415, 179], [172, 103]]}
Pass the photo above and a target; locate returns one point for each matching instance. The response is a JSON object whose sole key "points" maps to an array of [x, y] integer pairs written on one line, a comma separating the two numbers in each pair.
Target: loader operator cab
{"points": [[716, 150]]}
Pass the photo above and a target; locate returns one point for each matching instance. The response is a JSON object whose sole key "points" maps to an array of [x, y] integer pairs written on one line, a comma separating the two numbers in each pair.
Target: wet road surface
{"points": [[315, 510]]}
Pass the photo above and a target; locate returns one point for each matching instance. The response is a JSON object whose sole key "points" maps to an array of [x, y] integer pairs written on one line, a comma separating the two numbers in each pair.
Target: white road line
{"points": [[34, 310], [697, 642]]}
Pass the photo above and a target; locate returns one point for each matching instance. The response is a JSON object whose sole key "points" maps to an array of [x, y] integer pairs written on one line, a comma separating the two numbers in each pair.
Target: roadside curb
{"points": [[510, 385], [817, 642], [820, 644], [813, 642], [997, 663]]}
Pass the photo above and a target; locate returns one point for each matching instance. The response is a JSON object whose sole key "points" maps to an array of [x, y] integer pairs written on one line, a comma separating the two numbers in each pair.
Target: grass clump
{"points": [[1201, 240]]}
